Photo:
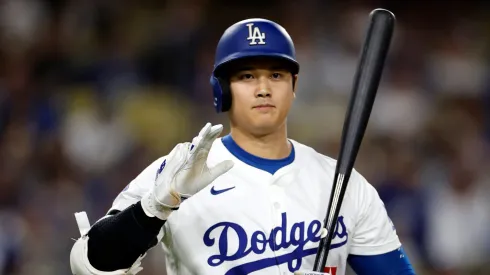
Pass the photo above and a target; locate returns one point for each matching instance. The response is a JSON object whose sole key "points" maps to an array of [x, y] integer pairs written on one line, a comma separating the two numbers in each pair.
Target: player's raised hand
{"points": [[183, 173]]}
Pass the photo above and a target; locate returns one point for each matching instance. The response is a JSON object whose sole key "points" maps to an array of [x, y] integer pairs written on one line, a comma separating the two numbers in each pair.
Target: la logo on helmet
{"points": [[254, 34]]}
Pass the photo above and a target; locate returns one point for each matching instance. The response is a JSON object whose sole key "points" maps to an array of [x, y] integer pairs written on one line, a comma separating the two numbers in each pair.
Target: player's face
{"points": [[262, 94]]}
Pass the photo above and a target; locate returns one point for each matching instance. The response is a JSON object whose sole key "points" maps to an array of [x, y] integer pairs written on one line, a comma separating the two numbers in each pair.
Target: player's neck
{"points": [[271, 146]]}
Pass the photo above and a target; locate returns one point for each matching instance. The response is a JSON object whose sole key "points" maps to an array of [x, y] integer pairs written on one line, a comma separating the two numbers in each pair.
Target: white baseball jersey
{"points": [[252, 221]]}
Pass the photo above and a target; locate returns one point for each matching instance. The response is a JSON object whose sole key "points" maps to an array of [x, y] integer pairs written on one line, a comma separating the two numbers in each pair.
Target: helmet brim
{"points": [[290, 64]]}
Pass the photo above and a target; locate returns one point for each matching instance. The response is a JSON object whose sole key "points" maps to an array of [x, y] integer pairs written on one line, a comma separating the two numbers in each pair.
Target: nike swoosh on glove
{"points": [[184, 172]]}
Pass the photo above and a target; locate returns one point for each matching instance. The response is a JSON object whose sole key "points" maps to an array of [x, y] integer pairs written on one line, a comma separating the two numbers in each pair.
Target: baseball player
{"points": [[250, 202]]}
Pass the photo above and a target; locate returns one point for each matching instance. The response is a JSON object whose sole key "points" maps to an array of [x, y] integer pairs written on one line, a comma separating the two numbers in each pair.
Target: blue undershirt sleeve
{"points": [[392, 263]]}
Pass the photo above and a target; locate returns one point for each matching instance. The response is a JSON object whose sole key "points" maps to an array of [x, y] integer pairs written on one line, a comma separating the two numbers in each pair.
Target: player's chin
{"points": [[265, 124]]}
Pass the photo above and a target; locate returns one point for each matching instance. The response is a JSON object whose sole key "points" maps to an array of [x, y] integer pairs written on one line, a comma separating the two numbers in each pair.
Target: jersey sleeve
{"points": [[139, 186], [374, 232], [392, 263]]}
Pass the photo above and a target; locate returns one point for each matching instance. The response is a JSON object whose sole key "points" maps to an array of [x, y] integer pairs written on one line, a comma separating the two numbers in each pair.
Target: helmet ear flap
{"points": [[221, 93]]}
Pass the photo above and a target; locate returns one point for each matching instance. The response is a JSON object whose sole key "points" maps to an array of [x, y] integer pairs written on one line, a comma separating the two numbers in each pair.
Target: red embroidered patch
{"points": [[332, 270]]}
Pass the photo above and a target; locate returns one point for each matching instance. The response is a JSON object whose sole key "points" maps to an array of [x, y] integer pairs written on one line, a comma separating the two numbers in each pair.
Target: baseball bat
{"points": [[366, 81]]}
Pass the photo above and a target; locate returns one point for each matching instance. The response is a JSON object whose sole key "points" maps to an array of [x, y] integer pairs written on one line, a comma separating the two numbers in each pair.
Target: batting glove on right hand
{"points": [[183, 173]]}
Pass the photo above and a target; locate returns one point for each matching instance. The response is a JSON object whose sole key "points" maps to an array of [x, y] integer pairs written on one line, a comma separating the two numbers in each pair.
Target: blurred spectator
{"points": [[402, 105], [12, 234]]}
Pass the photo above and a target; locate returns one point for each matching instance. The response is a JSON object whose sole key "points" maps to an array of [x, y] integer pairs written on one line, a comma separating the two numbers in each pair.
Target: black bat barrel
{"points": [[366, 81]]}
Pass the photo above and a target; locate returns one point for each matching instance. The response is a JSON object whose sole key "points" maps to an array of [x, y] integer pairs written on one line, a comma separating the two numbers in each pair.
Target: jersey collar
{"points": [[269, 165]]}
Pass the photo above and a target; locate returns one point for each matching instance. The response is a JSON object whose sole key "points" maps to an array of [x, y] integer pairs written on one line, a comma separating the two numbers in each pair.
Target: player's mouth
{"points": [[264, 107]]}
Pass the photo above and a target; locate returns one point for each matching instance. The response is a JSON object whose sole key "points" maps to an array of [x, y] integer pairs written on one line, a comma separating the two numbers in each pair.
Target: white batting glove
{"points": [[183, 173]]}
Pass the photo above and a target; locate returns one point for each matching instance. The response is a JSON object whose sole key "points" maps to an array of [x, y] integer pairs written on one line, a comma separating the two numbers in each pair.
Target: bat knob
{"points": [[382, 13]]}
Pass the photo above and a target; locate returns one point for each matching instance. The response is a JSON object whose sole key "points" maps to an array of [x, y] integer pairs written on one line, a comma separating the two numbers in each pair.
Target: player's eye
{"points": [[246, 76], [276, 75]]}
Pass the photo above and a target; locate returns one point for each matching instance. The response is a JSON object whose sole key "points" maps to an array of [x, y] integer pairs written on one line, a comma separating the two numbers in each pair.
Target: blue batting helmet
{"points": [[248, 38]]}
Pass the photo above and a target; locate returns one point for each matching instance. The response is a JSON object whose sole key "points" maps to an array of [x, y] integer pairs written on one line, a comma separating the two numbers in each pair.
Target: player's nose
{"points": [[263, 93], [263, 89]]}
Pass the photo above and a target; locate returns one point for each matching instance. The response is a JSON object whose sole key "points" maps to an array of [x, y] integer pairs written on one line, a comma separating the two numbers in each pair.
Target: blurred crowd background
{"points": [[93, 91]]}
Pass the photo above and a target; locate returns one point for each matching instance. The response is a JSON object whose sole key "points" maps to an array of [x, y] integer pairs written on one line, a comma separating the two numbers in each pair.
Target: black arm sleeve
{"points": [[116, 242]]}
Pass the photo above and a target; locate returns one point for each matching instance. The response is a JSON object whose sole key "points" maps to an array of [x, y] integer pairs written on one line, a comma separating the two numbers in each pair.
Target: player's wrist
{"points": [[153, 208], [146, 208]]}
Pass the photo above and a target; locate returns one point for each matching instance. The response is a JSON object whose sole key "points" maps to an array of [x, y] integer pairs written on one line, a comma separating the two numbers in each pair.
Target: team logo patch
{"points": [[254, 35]]}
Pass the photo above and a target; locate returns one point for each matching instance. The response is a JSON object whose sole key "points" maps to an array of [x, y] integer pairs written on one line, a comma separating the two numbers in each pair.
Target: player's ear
{"points": [[295, 81]]}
